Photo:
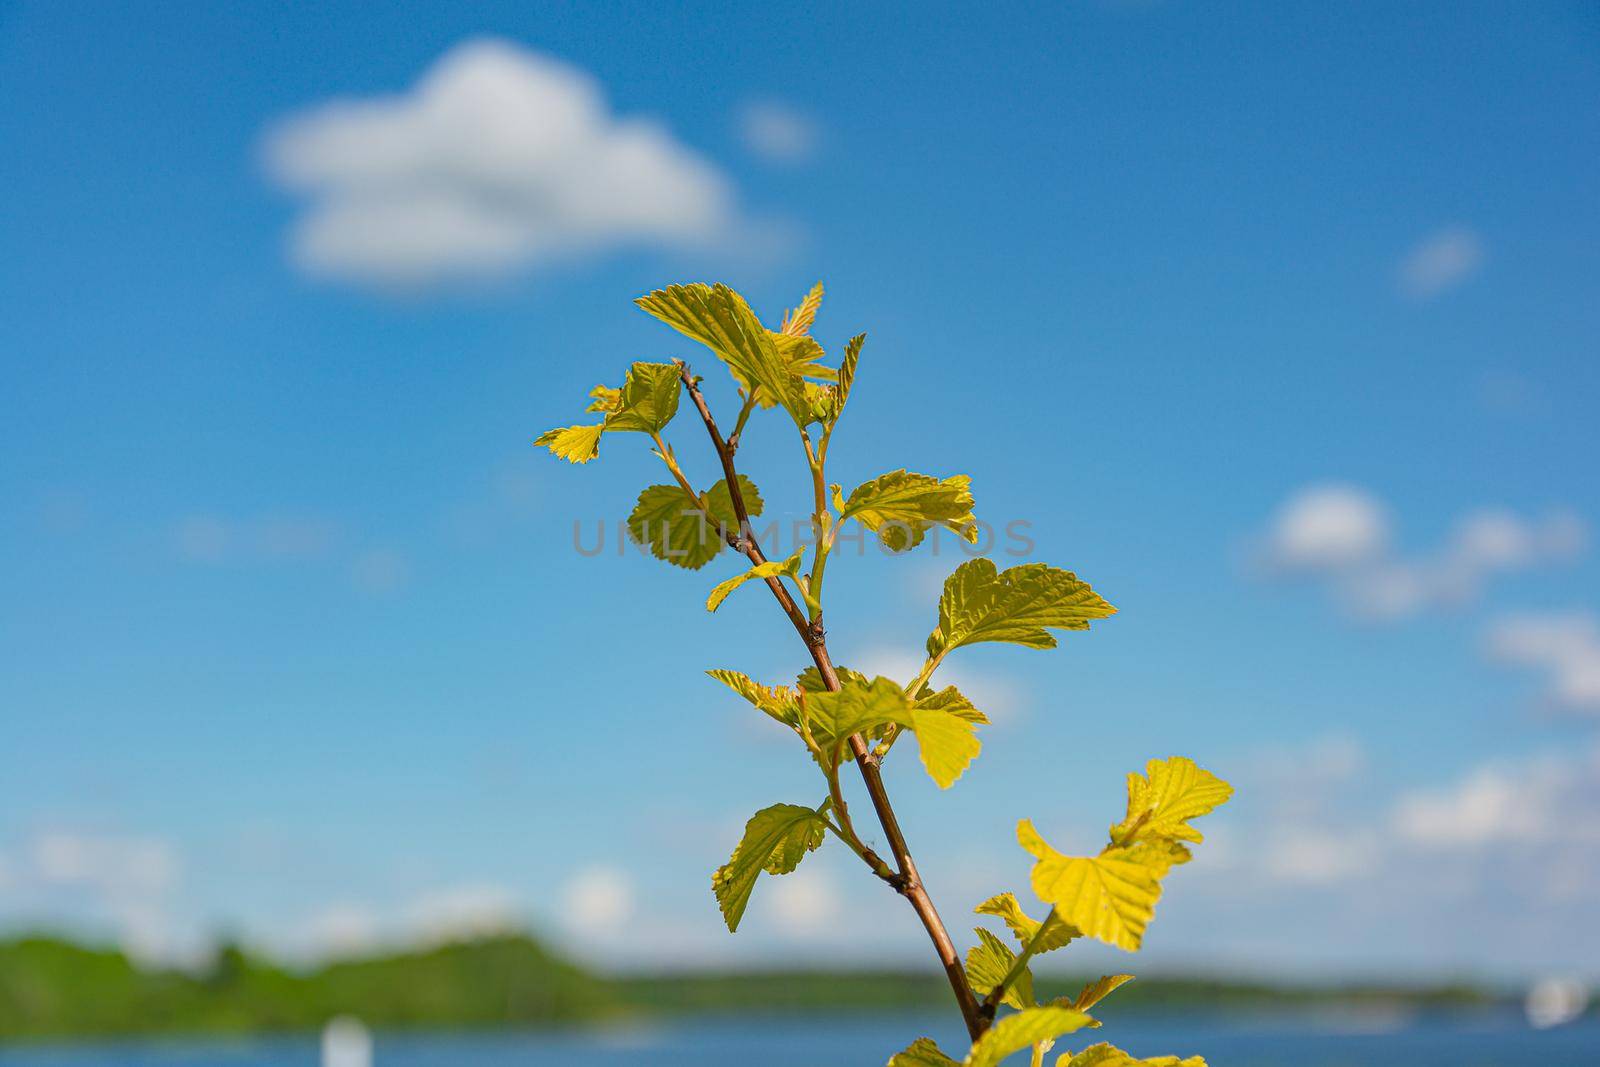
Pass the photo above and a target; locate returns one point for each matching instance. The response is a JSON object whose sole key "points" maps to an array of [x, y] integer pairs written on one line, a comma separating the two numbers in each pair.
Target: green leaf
{"points": [[575, 444], [946, 742], [720, 319], [810, 679], [771, 569], [858, 707], [950, 699], [647, 400], [678, 531], [1163, 800], [901, 507], [1096, 991], [775, 700], [922, 1053], [1024, 927], [988, 963], [847, 373], [1104, 1055], [1017, 606], [798, 322], [775, 840], [1110, 897], [604, 398], [1026, 1028]]}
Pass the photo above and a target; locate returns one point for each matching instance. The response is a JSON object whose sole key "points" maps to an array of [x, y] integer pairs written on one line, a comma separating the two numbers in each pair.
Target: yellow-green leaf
{"points": [[810, 679], [647, 400], [604, 398], [676, 530], [1163, 800], [1019, 606], [1026, 1028], [575, 444], [1104, 1055], [1110, 897], [798, 322], [1096, 991], [1025, 928], [950, 699], [946, 742], [775, 700], [922, 1053], [771, 569], [902, 506], [858, 707], [988, 963], [775, 840], [720, 319]]}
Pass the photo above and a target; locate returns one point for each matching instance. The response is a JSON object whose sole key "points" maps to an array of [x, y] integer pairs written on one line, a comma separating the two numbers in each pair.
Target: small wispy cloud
{"points": [[598, 901], [1343, 536], [1564, 646], [126, 884], [212, 538], [381, 570], [1439, 262], [777, 132], [499, 158]]}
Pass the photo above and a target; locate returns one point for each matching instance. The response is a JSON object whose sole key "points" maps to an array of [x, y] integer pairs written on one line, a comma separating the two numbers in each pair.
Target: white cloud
{"points": [[803, 903], [341, 929], [1343, 536], [441, 915], [108, 862], [463, 912], [125, 883], [1440, 261], [777, 132], [598, 900], [1565, 646], [1327, 527], [1550, 803], [498, 158]]}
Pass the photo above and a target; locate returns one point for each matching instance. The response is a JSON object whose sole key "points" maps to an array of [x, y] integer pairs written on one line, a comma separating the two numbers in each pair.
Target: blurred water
{"points": [[1346, 1041]]}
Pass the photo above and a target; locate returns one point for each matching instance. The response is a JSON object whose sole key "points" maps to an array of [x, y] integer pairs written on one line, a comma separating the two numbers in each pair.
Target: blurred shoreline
{"points": [[54, 989]]}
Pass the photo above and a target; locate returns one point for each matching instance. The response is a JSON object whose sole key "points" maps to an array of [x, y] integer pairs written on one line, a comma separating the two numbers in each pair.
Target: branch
{"points": [[907, 882]]}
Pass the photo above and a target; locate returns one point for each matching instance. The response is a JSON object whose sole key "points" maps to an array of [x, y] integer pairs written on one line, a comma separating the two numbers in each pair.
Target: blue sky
{"points": [[1279, 326]]}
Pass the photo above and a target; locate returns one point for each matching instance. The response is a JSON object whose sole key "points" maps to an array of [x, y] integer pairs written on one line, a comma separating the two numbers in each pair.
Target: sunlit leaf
{"points": [[900, 507], [1108, 1056], [1110, 897], [922, 1053], [776, 701], [1026, 1028], [1019, 605], [678, 531], [771, 569], [798, 322], [1163, 800], [1096, 991], [647, 400], [1025, 928], [720, 319], [775, 840], [988, 963]]}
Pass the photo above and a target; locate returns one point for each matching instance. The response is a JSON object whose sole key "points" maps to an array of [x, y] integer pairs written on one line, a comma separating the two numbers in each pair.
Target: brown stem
{"points": [[907, 882]]}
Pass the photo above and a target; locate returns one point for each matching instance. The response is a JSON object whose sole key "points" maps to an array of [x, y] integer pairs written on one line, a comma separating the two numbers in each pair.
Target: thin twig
{"points": [[998, 993], [907, 882]]}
